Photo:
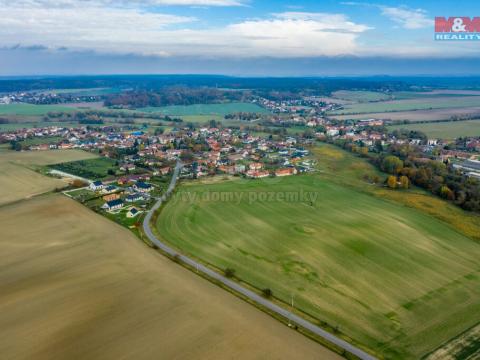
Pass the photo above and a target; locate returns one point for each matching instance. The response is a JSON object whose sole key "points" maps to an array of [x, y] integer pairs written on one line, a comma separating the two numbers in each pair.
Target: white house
{"points": [[113, 205], [132, 212], [143, 187], [134, 197], [96, 185]]}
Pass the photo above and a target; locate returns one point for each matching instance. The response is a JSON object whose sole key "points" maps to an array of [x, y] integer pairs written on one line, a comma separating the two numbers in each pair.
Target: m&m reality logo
{"points": [[458, 28]]}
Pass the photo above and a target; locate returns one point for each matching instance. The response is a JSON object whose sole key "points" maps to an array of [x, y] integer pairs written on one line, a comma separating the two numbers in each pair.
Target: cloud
{"points": [[407, 18], [404, 16], [199, 2], [89, 27], [120, 3], [125, 30]]}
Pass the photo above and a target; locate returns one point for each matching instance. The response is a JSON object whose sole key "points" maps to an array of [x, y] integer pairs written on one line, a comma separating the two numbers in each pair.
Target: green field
{"points": [[35, 124], [206, 109], [445, 130], [32, 110], [41, 140], [399, 95], [412, 104], [92, 169], [393, 278], [360, 96]]}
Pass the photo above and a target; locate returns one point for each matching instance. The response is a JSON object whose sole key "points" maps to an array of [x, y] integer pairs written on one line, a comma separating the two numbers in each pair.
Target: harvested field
{"points": [[74, 285], [360, 96], [19, 181], [447, 102]]}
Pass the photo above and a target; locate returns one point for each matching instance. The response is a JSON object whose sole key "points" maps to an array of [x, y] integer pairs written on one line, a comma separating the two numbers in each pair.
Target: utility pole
{"points": [[290, 316]]}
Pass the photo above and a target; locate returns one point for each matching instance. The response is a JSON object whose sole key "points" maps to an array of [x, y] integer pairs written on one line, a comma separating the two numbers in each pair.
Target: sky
{"points": [[232, 37]]}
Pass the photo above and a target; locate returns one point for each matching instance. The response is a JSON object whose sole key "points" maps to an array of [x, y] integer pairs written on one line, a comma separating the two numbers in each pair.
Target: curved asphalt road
{"points": [[233, 285]]}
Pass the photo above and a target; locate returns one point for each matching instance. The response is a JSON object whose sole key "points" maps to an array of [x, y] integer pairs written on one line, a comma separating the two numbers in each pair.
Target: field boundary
{"points": [[450, 340]]}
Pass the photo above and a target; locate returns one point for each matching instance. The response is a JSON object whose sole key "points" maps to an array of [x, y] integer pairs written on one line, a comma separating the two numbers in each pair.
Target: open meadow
{"points": [[74, 285], [415, 115], [444, 130], [447, 102], [92, 169], [18, 180], [35, 124], [32, 110], [386, 272]]}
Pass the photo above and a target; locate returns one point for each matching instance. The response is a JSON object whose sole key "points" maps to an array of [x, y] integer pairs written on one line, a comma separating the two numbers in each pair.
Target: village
{"points": [[141, 163], [209, 150]]}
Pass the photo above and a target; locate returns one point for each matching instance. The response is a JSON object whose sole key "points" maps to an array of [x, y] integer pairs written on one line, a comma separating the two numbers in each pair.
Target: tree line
{"points": [[172, 96], [406, 164]]}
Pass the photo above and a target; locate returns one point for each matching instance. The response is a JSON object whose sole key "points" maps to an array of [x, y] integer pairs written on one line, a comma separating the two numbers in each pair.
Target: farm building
{"points": [[97, 185]]}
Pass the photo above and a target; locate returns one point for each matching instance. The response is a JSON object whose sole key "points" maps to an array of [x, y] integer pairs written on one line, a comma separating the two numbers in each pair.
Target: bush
{"points": [[267, 292], [392, 182], [229, 272], [79, 183]]}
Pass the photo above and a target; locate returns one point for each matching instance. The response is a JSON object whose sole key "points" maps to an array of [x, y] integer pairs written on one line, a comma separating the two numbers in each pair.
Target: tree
{"points": [[392, 182], [363, 151], [186, 156], [229, 272], [404, 182], [267, 292], [392, 164], [446, 193], [78, 183]]}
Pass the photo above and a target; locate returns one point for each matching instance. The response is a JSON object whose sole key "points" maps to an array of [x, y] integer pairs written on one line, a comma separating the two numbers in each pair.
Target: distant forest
{"points": [[174, 96], [156, 82]]}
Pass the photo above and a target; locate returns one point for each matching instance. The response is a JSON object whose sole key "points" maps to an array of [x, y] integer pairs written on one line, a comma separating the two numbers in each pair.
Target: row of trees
{"points": [[121, 116], [435, 176], [407, 165]]}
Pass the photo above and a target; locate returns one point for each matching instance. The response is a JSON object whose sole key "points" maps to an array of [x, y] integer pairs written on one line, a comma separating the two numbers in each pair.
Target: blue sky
{"points": [[239, 37]]}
